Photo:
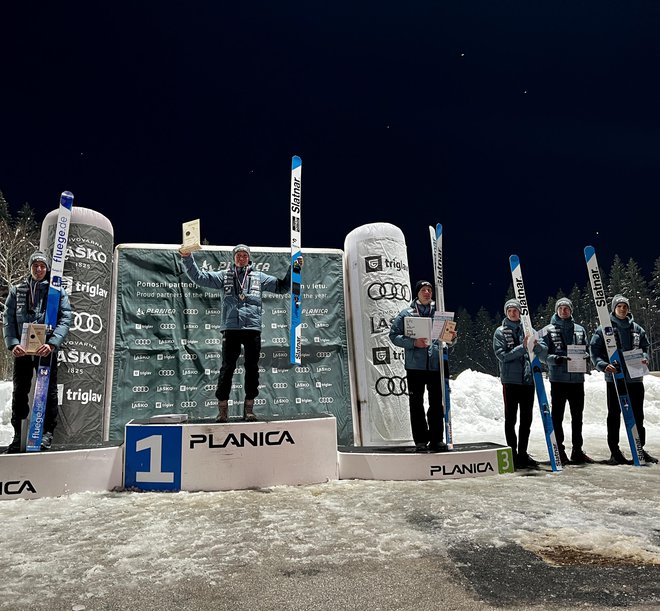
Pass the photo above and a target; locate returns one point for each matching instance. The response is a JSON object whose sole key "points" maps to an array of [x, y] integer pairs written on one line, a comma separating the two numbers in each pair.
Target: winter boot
{"points": [[617, 458], [14, 447], [248, 415], [648, 458], [563, 457], [47, 441], [222, 411]]}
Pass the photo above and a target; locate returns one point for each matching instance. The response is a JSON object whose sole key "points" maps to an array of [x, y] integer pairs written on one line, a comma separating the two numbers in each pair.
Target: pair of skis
{"points": [[535, 363], [436, 246], [598, 290], [37, 416], [295, 338]]}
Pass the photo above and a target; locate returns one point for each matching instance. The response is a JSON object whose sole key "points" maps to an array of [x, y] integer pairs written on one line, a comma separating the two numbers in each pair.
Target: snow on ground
{"points": [[78, 548]]}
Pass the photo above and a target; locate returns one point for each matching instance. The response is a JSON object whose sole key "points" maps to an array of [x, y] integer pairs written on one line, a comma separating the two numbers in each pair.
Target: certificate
{"points": [[417, 327], [633, 359], [576, 361]]}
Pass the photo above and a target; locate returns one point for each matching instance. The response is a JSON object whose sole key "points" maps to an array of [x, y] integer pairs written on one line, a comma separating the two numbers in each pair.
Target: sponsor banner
{"points": [[168, 346], [82, 359], [380, 288]]}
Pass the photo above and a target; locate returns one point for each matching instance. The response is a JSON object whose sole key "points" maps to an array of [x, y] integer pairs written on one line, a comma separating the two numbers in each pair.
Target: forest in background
{"points": [[20, 234]]}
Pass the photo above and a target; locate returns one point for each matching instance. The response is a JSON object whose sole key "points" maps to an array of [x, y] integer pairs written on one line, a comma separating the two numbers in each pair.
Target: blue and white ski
{"points": [[436, 244], [598, 290], [544, 405], [36, 427], [295, 341]]}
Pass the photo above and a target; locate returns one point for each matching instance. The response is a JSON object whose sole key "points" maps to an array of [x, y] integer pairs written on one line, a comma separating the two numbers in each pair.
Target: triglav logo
{"points": [[380, 355], [373, 264]]}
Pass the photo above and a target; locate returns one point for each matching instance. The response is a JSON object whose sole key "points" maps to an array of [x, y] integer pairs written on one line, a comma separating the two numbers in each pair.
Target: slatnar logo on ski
{"points": [[520, 296], [241, 440]]}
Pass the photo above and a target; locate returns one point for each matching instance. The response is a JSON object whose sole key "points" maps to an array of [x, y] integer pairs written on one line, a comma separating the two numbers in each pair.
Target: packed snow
{"points": [[79, 547]]}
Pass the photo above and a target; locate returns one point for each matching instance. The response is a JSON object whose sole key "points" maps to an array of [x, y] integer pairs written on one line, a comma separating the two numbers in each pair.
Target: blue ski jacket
{"points": [[629, 336], [26, 303], [511, 355], [415, 358], [237, 313], [563, 333]]}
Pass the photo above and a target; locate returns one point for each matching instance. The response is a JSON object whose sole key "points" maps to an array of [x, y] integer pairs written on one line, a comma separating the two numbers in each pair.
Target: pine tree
{"points": [[459, 356], [617, 276], [482, 356]]}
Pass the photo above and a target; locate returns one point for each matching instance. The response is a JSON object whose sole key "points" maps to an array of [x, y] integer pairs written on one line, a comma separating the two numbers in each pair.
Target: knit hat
{"points": [[564, 301], [38, 256], [512, 303], [420, 284], [239, 248], [617, 300]]}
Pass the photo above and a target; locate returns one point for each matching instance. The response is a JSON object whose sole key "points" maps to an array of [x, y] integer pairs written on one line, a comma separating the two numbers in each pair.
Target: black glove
{"points": [[561, 359]]}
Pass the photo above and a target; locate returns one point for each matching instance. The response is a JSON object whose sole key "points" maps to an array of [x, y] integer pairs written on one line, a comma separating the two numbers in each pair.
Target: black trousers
{"points": [[560, 393], [518, 396], [231, 350], [426, 427], [636, 394], [24, 368]]}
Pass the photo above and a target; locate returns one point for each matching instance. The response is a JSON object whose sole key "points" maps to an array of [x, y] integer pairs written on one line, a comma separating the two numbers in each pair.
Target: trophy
{"points": [[191, 240]]}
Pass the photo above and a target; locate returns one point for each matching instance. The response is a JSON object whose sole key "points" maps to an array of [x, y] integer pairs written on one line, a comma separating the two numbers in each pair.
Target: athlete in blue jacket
{"points": [[565, 385], [241, 288], [26, 303], [422, 372], [510, 347], [629, 335]]}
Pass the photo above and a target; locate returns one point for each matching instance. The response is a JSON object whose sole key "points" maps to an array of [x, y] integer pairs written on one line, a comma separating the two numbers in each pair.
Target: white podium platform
{"points": [[42, 474], [237, 455], [403, 463]]}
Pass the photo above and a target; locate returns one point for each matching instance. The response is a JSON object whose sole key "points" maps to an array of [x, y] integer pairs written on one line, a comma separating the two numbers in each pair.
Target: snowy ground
{"points": [[588, 537]]}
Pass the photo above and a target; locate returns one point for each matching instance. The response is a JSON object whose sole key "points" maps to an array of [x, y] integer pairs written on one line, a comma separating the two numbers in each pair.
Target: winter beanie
{"points": [[420, 284], [617, 300], [564, 301], [239, 248], [38, 256], [512, 303]]}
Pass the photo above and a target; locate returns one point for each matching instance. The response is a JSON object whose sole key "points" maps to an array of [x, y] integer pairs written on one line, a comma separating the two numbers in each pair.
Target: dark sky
{"points": [[523, 127]]}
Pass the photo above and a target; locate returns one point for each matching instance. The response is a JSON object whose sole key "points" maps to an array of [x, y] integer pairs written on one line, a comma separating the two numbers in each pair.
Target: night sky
{"points": [[523, 127]]}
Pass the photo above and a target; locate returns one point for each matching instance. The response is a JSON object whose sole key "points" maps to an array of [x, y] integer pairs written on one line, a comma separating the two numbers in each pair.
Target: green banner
{"points": [[168, 347]]}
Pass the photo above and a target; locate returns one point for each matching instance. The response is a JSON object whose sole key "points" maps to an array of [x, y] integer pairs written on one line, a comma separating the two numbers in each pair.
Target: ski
{"points": [[35, 429], [436, 244], [541, 395], [295, 340], [598, 290]]}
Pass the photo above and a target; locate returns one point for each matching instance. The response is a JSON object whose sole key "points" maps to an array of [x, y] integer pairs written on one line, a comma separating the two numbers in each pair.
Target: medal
{"points": [[241, 297]]}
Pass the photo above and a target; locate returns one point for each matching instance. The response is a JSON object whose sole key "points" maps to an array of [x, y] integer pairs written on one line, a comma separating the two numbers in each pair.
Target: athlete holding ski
{"points": [[27, 303]]}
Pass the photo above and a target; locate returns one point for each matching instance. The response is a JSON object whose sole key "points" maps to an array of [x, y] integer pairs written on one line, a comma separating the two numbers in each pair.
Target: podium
{"points": [[203, 455]]}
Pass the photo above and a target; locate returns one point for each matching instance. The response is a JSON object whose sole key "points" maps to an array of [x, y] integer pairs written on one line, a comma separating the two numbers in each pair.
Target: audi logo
{"points": [[280, 385], [279, 340], [260, 401], [323, 355], [209, 387], [142, 342], [191, 311], [394, 386], [166, 373], [140, 389], [87, 323], [302, 369], [188, 357], [168, 325], [389, 290], [213, 341], [188, 404], [326, 400]]}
